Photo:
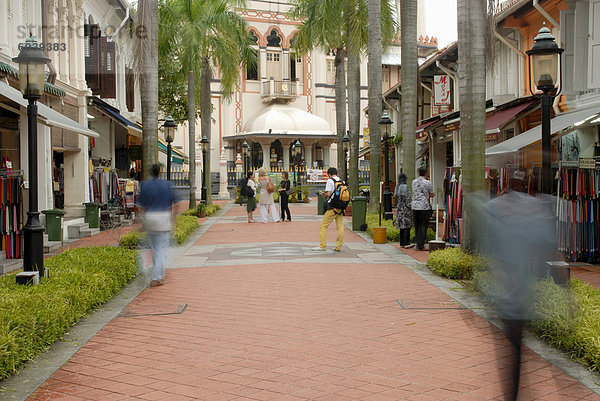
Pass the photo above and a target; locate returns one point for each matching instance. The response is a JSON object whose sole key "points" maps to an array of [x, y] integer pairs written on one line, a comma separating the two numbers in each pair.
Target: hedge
{"points": [[32, 318], [392, 233], [184, 226], [454, 264]]}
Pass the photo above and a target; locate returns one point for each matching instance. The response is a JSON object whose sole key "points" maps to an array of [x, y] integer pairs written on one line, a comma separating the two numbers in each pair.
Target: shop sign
{"points": [[587, 163], [366, 137], [451, 127], [491, 137], [135, 152], [317, 176], [441, 85]]}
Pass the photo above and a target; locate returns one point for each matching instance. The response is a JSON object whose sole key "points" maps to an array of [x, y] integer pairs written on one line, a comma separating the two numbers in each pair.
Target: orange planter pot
{"points": [[379, 235]]}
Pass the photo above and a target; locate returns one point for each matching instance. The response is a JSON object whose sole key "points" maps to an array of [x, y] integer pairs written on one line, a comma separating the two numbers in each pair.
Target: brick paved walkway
{"points": [[267, 319]]}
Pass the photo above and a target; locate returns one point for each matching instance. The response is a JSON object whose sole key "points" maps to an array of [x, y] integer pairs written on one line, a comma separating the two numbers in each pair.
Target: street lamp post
{"points": [[387, 195], [169, 127], [346, 142], [204, 144], [297, 152], [245, 150], [32, 62], [544, 70]]}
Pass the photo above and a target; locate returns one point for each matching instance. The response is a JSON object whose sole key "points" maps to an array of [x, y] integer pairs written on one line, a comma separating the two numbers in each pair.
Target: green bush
{"points": [[454, 264], [392, 233], [198, 211], [569, 319], [211, 210], [132, 240], [184, 226], [32, 318]]}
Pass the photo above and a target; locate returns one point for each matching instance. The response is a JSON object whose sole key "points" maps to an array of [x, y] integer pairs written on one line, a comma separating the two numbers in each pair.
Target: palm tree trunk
{"points": [[192, 136], [471, 80], [375, 98], [205, 123], [148, 62], [340, 106], [354, 118], [408, 103]]}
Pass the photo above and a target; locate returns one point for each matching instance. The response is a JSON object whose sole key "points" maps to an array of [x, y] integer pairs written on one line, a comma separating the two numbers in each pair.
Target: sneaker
{"points": [[156, 283], [337, 250], [318, 249], [409, 246]]}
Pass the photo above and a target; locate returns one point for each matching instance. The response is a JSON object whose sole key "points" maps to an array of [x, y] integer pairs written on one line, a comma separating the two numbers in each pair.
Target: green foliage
{"points": [[397, 139], [184, 226], [32, 318], [211, 210], [133, 240], [198, 211], [454, 264], [569, 319], [429, 236], [306, 190], [392, 233]]}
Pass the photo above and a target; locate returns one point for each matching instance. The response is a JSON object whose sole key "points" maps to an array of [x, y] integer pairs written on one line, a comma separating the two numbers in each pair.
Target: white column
{"points": [[223, 192], [326, 150], [263, 64], [285, 65], [266, 156], [63, 57], [286, 154], [308, 156]]}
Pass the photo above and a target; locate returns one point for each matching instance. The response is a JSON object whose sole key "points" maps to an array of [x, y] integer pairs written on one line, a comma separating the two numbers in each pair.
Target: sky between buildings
{"points": [[440, 19]]}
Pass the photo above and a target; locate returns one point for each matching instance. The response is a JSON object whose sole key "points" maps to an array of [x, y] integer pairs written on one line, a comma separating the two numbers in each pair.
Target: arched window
{"points": [[256, 156], [274, 56], [276, 155], [295, 64], [252, 69]]}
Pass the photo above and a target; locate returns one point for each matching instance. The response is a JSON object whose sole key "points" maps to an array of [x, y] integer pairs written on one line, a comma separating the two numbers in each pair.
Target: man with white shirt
{"points": [[331, 214]]}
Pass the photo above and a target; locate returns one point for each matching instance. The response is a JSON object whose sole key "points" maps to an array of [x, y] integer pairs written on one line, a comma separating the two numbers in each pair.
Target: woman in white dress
{"points": [[266, 197]]}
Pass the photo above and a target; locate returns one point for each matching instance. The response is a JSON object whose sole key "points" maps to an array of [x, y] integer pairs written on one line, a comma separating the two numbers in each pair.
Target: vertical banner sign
{"points": [[441, 85]]}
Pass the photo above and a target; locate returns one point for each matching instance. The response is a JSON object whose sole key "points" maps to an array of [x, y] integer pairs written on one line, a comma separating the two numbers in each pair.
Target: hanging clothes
{"points": [[453, 197], [11, 210]]}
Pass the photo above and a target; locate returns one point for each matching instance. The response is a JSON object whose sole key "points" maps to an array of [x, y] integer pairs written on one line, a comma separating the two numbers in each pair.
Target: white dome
{"points": [[283, 119]]}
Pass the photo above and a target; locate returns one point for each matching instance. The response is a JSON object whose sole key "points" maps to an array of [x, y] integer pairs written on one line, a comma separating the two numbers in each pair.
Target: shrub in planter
{"points": [[132, 240], [454, 264], [391, 233], [184, 226], [211, 210], [32, 318]]}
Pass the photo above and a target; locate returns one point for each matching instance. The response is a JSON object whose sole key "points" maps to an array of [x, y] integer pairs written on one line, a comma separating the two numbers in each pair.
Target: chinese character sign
{"points": [[441, 85]]}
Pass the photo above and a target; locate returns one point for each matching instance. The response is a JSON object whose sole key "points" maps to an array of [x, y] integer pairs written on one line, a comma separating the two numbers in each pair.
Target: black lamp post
{"points": [[204, 144], [544, 70], [297, 152], [387, 195], [169, 127], [32, 63], [346, 142], [245, 150]]}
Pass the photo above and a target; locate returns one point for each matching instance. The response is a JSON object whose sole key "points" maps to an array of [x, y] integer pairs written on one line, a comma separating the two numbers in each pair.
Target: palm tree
{"points": [[375, 95], [203, 34], [408, 102], [147, 62], [472, 19]]}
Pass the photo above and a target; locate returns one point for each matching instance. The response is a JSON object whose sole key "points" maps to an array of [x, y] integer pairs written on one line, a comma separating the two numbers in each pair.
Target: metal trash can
{"points": [[54, 227], [92, 214], [320, 202], [359, 212]]}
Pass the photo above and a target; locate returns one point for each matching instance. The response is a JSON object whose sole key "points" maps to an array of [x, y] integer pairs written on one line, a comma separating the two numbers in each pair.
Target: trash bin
{"points": [[54, 224], [92, 214], [359, 212], [320, 203]]}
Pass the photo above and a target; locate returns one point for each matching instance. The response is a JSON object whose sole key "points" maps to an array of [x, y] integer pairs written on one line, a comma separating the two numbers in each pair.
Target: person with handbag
{"points": [[266, 197], [284, 195]]}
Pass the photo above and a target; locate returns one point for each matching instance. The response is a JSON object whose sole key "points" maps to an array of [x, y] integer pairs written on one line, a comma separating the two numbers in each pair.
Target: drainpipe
{"points": [[114, 35], [545, 13]]}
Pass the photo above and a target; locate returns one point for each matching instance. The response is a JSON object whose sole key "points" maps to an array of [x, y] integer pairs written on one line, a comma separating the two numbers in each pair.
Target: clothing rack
{"points": [[11, 208], [453, 197], [578, 211], [105, 185]]}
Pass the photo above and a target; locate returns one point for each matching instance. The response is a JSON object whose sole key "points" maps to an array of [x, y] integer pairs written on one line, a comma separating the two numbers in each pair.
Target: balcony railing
{"points": [[281, 89]]}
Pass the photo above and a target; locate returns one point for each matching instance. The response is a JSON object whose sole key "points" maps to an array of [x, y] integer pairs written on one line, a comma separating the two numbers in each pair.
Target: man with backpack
{"points": [[338, 197]]}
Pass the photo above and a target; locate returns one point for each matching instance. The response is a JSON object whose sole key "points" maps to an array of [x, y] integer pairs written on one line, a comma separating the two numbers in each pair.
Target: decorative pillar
{"points": [[263, 64], [266, 155], [223, 192], [285, 65], [308, 156], [326, 150], [286, 155]]}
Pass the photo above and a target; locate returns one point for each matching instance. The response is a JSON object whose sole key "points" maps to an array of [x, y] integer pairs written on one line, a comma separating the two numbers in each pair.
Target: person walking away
{"points": [[422, 190], [250, 193], [284, 196], [404, 214], [157, 199], [331, 213], [266, 197]]}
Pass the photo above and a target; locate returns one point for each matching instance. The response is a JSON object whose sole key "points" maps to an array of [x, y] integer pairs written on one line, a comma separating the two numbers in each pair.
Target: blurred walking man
{"points": [[157, 199]]}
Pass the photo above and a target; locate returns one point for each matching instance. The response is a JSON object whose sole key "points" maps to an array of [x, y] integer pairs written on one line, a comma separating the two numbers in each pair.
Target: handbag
{"points": [[270, 187]]}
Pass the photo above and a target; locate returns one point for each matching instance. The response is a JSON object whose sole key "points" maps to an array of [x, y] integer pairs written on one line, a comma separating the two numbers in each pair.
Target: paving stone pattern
{"points": [[265, 319]]}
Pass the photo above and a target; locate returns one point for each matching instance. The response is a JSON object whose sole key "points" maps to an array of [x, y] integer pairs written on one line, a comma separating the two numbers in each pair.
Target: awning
{"points": [[530, 137], [51, 117], [177, 156], [107, 109], [503, 117], [423, 126]]}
